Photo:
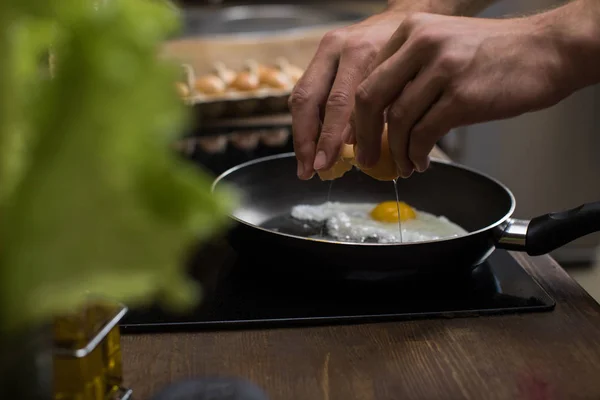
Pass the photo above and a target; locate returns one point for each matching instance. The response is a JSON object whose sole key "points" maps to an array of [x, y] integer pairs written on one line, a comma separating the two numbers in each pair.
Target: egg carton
{"points": [[257, 89], [244, 141]]}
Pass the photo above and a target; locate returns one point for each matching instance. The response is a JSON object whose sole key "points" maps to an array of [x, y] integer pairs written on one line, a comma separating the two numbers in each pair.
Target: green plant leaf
{"points": [[99, 203]]}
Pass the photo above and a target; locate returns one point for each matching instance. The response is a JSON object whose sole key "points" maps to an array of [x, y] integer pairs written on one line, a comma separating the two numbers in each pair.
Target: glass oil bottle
{"points": [[87, 354]]}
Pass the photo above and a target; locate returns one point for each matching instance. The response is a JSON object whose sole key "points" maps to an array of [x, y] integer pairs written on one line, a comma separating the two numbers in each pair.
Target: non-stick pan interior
{"points": [[271, 188]]}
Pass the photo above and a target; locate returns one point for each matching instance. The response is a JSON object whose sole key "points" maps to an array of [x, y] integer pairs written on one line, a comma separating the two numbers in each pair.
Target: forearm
{"points": [[575, 31], [444, 7]]}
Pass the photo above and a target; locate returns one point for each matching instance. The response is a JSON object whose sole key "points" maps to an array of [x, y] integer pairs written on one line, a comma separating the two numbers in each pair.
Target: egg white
{"points": [[351, 222]]}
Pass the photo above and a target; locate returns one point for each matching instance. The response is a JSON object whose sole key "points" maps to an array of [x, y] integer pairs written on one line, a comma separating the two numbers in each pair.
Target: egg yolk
{"points": [[388, 212]]}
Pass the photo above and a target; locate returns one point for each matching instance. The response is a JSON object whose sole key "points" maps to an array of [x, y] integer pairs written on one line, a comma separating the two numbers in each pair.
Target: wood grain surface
{"points": [[553, 355], [538, 356]]}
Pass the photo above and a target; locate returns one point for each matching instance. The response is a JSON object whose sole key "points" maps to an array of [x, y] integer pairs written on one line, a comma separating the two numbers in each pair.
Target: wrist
{"points": [[575, 33]]}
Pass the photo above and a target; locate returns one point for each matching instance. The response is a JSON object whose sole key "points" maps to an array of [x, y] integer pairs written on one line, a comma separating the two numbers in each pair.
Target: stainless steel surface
{"points": [[514, 234], [263, 19], [549, 159], [123, 394]]}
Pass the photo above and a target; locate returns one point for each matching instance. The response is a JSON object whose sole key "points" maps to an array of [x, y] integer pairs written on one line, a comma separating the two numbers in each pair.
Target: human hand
{"points": [[438, 72], [328, 87]]}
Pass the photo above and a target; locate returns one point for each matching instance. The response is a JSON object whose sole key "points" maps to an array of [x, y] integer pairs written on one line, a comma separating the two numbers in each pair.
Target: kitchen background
{"points": [[549, 159]]}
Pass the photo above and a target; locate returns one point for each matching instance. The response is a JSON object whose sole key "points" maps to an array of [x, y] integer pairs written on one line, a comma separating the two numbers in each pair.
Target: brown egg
{"points": [[188, 75], [213, 144], [260, 69], [227, 75], [273, 78], [384, 170], [246, 81], [210, 85], [295, 75], [182, 89], [341, 166], [275, 138], [293, 72], [257, 68], [245, 140], [336, 171]]}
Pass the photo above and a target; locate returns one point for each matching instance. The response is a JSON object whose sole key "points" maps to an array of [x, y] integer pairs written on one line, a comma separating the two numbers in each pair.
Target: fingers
{"points": [[373, 96], [340, 103], [351, 138], [306, 102], [417, 97], [436, 123], [391, 47], [346, 134]]}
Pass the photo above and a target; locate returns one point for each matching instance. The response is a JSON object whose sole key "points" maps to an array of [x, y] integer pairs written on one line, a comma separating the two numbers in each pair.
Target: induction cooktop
{"points": [[239, 292]]}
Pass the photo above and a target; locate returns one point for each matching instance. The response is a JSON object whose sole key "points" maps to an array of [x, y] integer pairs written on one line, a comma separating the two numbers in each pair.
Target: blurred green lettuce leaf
{"points": [[92, 200]]}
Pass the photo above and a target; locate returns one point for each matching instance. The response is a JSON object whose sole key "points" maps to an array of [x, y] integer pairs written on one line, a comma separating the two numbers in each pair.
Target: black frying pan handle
{"points": [[551, 231]]}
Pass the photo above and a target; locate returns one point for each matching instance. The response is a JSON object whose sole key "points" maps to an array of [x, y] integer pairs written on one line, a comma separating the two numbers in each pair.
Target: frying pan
{"points": [[480, 204]]}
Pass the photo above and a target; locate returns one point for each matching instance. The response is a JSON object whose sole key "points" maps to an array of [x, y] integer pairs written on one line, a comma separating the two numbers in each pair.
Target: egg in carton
{"points": [[275, 137], [256, 89], [212, 86]]}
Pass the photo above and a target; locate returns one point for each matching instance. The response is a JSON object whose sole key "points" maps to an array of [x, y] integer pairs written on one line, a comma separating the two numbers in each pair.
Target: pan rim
{"points": [[499, 222]]}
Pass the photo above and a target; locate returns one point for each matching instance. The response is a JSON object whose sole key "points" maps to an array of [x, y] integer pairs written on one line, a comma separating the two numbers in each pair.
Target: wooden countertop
{"points": [[539, 356]]}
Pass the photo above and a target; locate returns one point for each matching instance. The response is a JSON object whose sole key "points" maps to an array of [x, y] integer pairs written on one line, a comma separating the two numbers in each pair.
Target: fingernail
{"points": [[422, 167], [405, 174], [300, 169], [320, 160]]}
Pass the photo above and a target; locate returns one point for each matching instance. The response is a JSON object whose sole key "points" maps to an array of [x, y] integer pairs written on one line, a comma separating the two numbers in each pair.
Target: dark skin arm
{"points": [[440, 72], [326, 92]]}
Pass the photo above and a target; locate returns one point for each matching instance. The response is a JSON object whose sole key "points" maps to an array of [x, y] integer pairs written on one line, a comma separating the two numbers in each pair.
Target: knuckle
{"points": [[419, 131], [333, 38], [355, 46], [448, 62], [396, 112], [329, 142], [411, 20], [425, 38], [302, 147], [362, 97], [327, 137], [299, 98], [338, 99]]}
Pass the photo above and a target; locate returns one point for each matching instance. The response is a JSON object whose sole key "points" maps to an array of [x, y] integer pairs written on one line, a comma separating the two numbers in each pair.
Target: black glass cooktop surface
{"points": [[242, 293]]}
